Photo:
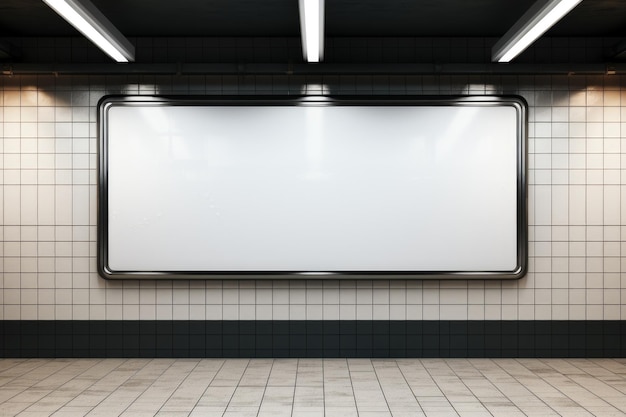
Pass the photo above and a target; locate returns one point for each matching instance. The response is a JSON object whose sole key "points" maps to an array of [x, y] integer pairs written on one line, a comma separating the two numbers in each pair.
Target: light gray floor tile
{"points": [[241, 412], [199, 412], [313, 387], [332, 411], [308, 413], [12, 409]]}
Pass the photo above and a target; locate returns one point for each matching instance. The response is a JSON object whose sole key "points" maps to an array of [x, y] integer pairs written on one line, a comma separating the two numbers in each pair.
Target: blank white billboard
{"points": [[312, 187]]}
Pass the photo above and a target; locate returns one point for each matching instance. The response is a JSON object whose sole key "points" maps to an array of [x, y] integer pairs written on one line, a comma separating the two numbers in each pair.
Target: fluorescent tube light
{"points": [[89, 21], [535, 22], [312, 29]]}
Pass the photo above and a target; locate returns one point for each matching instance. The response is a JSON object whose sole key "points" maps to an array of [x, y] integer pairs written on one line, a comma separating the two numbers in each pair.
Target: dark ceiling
{"points": [[451, 36], [344, 18]]}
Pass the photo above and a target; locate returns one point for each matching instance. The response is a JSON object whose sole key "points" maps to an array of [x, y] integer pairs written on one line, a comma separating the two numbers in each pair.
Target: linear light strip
{"points": [[89, 21], [535, 22], [312, 29]]}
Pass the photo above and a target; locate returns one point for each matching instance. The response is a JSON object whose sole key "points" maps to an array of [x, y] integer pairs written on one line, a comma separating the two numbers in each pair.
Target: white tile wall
{"points": [[577, 209]]}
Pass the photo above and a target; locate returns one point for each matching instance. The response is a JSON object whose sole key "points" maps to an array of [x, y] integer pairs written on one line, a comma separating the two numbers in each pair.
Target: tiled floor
{"points": [[311, 387]]}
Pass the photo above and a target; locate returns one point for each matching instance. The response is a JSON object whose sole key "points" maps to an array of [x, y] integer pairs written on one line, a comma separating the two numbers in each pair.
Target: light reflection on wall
{"points": [[314, 89]]}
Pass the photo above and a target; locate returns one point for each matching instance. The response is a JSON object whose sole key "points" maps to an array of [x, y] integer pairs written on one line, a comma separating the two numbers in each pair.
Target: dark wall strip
{"points": [[313, 338]]}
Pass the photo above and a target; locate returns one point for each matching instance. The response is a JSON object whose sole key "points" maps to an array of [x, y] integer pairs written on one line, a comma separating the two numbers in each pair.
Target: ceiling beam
{"points": [[89, 21], [321, 70], [541, 16]]}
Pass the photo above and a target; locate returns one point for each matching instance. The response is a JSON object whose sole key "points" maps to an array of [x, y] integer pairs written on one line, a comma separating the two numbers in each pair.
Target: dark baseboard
{"points": [[311, 339]]}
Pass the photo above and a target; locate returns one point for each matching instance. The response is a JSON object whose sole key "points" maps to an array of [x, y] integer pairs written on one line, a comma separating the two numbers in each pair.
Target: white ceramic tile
{"points": [[453, 296], [559, 204], [575, 176], [611, 215], [11, 197], [397, 312], [542, 204], [577, 204]]}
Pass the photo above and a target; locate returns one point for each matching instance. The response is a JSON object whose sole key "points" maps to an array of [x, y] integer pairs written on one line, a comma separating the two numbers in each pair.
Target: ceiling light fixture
{"points": [[89, 21], [535, 22], [312, 29]]}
